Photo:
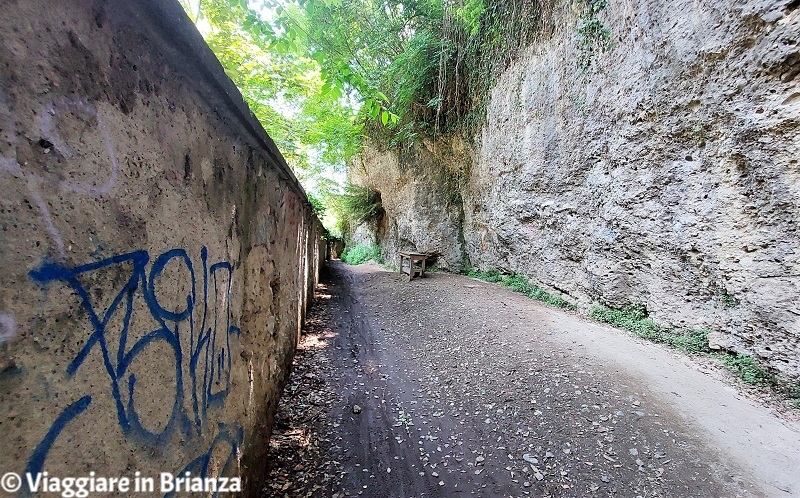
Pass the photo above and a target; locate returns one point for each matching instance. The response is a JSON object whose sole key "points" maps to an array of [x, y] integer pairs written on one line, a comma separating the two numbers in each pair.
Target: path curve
{"points": [[465, 388]]}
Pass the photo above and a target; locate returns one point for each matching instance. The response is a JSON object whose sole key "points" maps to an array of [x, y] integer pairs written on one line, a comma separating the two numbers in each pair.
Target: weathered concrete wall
{"points": [[158, 254], [667, 175]]}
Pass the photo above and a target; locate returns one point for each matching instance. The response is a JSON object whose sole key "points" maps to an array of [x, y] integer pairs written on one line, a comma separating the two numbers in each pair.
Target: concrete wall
{"points": [[158, 254]]}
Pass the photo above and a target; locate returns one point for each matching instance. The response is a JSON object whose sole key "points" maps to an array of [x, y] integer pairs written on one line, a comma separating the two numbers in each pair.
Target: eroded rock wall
{"points": [[421, 197], [667, 174], [157, 252]]}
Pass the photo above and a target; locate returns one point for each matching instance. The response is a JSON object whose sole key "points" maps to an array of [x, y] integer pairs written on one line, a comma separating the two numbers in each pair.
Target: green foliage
{"points": [[699, 134], [317, 204], [792, 391], [593, 35], [560, 302], [418, 67], [316, 131], [727, 300], [361, 253], [749, 370], [692, 341], [392, 267], [322, 74], [362, 204], [353, 207], [519, 283], [635, 319], [490, 275]]}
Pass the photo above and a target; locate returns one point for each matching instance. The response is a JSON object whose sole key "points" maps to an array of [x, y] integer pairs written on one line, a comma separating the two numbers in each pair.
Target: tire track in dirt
{"points": [[446, 386]]}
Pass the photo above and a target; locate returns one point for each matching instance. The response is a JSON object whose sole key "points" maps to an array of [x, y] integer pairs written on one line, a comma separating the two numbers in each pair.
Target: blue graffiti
{"points": [[228, 434], [209, 341], [36, 461]]}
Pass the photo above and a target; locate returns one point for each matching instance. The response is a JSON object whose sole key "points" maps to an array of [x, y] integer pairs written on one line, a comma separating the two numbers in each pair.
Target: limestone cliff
{"points": [[420, 192], [666, 174]]}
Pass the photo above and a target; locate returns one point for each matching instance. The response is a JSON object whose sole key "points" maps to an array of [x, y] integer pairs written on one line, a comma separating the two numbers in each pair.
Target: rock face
{"points": [[422, 202], [666, 174]]}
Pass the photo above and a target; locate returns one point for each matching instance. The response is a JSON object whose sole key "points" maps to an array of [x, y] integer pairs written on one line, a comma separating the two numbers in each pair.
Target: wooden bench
{"points": [[416, 264]]}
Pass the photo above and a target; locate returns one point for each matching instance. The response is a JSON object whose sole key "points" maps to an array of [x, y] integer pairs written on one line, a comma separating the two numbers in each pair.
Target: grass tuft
{"points": [[634, 318], [519, 283], [727, 300], [361, 253], [747, 368]]}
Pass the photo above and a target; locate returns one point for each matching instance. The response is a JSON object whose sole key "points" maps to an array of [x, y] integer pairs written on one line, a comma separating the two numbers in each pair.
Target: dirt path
{"points": [[448, 386]]}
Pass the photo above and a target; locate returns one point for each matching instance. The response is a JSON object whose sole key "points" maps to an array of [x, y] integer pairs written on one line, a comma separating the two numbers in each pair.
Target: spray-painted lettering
{"points": [[198, 333]]}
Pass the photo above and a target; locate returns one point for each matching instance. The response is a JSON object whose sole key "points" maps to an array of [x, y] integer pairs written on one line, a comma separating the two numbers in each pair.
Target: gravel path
{"points": [[448, 386]]}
